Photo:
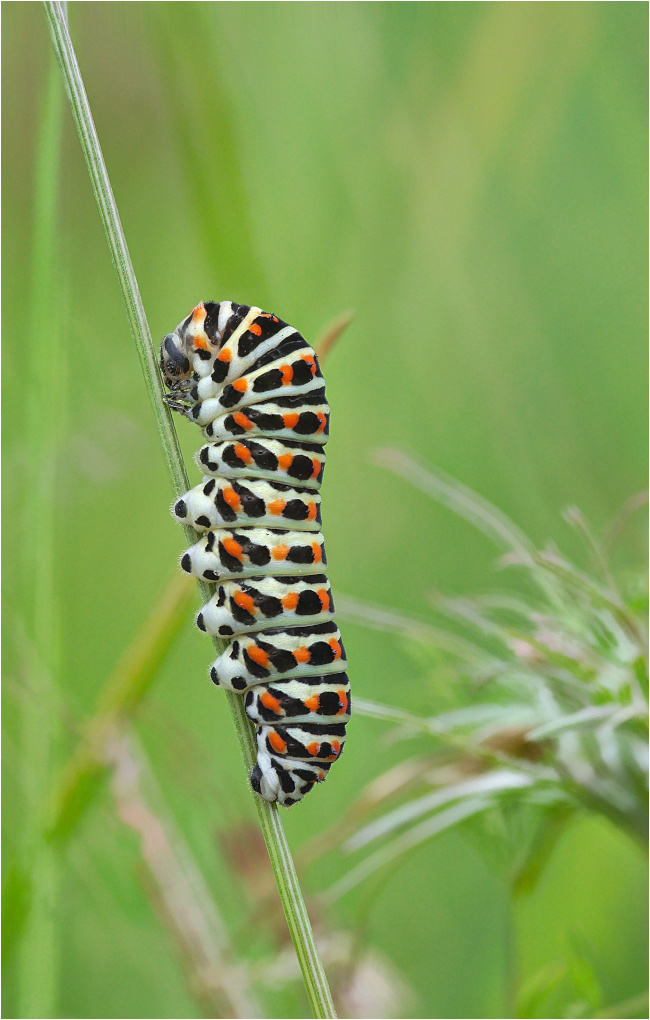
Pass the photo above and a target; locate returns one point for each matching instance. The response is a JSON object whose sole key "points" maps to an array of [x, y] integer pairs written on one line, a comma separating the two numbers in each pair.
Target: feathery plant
{"points": [[271, 825], [546, 706], [548, 691]]}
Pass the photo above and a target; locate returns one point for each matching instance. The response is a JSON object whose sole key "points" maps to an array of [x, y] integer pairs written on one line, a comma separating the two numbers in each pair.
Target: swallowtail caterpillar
{"points": [[255, 387]]}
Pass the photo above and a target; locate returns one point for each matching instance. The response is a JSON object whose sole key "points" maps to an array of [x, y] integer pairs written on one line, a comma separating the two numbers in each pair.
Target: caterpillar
{"points": [[255, 387]]}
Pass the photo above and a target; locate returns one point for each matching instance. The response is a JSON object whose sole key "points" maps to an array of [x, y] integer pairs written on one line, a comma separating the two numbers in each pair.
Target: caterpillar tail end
{"points": [[277, 783], [265, 780]]}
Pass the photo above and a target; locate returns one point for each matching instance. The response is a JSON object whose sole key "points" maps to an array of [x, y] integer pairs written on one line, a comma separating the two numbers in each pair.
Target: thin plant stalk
{"points": [[37, 960], [331, 334], [276, 842]]}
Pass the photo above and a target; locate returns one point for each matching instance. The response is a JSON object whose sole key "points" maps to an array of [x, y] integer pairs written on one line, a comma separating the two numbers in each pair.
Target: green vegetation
{"points": [[470, 178]]}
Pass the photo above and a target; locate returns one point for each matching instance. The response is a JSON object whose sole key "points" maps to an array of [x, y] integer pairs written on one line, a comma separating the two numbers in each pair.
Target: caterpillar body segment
{"points": [[226, 502], [274, 460], [241, 607], [314, 699], [306, 741], [295, 652], [254, 385], [246, 552], [286, 418]]}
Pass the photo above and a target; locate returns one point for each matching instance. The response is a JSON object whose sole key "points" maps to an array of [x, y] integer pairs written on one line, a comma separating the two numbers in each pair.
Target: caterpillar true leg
{"points": [[254, 385], [177, 405]]}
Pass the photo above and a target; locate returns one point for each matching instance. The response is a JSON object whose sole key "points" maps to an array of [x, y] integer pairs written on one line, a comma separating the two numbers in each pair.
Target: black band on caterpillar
{"points": [[254, 385]]}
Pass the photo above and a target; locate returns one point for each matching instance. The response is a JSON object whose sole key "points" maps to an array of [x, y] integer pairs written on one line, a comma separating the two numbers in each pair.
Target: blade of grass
{"points": [[331, 333], [458, 498], [636, 1006], [404, 843], [383, 618], [121, 695], [221, 986], [488, 783], [276, 842], [38, 956], [444, 726]]}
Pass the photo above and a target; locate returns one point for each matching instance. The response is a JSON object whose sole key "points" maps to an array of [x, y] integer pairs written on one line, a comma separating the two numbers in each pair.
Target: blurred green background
{"points": [[470, 178]]}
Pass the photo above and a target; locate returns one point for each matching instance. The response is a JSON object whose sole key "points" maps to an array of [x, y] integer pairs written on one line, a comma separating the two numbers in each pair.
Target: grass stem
{"points": [[276, 842]]}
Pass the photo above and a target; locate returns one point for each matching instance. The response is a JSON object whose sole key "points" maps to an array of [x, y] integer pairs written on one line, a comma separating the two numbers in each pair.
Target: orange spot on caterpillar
{"points": [[313, 749], [224, 355], [316, 464], [302, 654], [199, 339], [336, 647], [290, 420], [313, 703], [280, 552], [311, 511], [286, 372], [232, 499], [258, 655], [256, 329], [276, 507], [271, 703], [233, 548], [241, 385], [336, 747], [320, 777], [244, 601], [290, 601], [317, 551], [242, 452], [276, 742], [241, 420], [284, 460], [324, 596], [323, 421], [343, 698], [309, 358]]}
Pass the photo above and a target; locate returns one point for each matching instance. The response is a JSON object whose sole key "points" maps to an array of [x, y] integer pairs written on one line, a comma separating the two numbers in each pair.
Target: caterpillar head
{"points": [[196, 337], [174, 363]]}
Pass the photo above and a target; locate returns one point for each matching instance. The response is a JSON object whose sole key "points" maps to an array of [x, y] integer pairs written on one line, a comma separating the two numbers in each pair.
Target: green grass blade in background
{"points": [[274, 836], [219, 983], [118, 701], [38, 946]]}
